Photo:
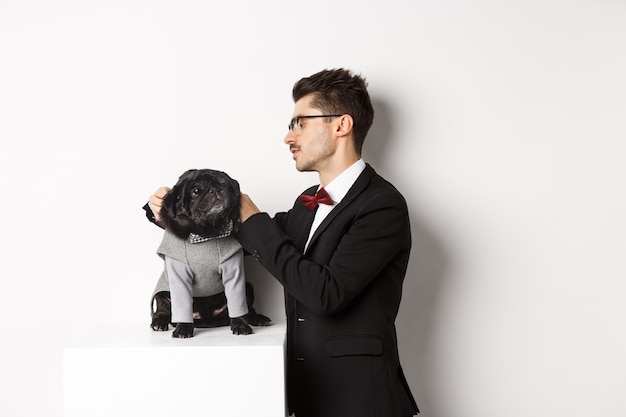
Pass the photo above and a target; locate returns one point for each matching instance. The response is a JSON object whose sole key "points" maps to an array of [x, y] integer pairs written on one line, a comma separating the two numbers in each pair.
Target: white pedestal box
{"points": [[133, 371]]}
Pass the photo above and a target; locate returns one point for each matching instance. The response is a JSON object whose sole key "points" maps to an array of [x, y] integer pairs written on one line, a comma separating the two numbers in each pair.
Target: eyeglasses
{"points": [[296, 127]]}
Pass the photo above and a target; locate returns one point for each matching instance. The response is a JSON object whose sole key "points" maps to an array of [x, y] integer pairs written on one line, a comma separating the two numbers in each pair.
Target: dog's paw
{"points": [[183, 331], [159, 324], [240, 326], [257, 319]]}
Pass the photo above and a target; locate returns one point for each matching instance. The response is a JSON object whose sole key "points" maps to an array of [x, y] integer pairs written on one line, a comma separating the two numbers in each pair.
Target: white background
{"points": [[502, 122]]}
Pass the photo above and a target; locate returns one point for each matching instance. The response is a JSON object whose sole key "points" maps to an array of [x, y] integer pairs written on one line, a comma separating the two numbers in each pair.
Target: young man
{"points": [[341, 260]]}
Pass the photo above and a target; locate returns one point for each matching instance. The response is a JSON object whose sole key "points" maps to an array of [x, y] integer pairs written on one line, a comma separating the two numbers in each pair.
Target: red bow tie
{"points": [[312, 201]]}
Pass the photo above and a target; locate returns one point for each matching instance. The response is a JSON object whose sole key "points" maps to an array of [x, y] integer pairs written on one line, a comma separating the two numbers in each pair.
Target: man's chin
{"points": [[304, 167]]}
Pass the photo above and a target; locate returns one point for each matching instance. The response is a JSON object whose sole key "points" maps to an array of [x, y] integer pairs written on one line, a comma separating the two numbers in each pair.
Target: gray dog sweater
{"points": [[204, 268]]}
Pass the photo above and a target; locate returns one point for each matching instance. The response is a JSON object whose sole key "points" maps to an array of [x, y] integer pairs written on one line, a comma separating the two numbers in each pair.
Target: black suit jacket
{"points": [[342, 298]]}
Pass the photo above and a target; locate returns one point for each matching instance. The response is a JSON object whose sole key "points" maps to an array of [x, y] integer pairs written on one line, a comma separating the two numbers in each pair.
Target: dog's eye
{"points": [[195, 192]]}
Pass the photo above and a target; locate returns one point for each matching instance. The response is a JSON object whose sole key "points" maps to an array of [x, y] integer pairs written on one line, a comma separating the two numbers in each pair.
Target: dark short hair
{"points": [[339, 91]]}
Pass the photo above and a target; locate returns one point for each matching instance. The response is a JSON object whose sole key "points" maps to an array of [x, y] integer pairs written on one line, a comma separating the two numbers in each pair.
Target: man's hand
{"points": [[247, 208], [156, 201]]}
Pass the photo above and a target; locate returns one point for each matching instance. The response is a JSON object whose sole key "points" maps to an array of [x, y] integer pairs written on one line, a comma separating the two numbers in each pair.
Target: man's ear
{"points": [[344, 125]]}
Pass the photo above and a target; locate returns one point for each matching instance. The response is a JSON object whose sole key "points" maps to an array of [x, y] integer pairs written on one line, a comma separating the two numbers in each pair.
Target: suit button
{"points": [[256, 255]]}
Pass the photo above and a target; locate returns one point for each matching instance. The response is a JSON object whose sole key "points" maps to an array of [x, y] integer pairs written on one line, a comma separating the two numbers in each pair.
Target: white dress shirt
{"points": [[337, 190]]}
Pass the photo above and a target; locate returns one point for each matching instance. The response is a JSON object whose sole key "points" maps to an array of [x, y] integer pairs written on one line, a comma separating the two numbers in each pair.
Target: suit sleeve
{"points": [[349, 256]]}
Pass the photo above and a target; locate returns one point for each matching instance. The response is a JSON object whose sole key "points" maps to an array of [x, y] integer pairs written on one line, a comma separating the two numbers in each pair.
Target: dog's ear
{"points": [[234, 213], [171, 204], [236, 185], [173, 214]]}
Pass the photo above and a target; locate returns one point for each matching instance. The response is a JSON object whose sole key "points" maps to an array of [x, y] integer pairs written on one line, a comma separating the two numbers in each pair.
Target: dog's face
{"points": [[204, 202]]}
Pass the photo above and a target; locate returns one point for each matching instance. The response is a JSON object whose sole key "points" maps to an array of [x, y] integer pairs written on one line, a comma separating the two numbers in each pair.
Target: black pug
{"points": [[203, 282]]}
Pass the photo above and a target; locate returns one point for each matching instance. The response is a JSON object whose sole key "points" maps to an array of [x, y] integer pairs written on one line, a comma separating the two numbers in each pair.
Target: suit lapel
{"points": [[359, 185]]}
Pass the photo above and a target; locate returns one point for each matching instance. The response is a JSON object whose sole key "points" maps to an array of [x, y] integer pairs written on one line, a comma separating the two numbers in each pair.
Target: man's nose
{"points": [[289, 138]]}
